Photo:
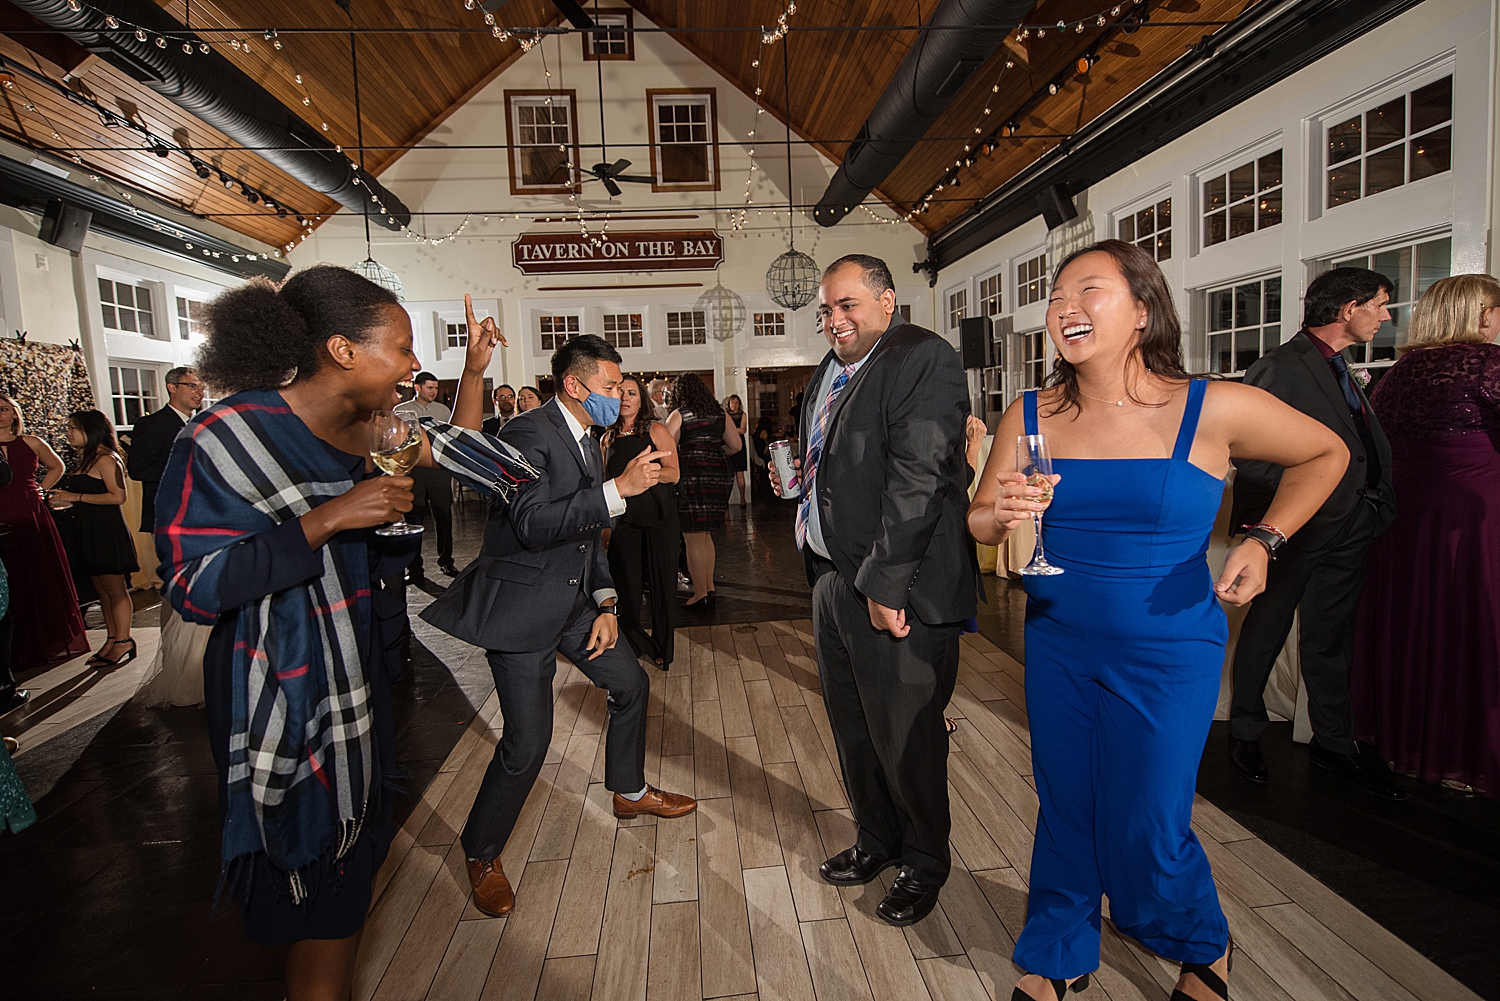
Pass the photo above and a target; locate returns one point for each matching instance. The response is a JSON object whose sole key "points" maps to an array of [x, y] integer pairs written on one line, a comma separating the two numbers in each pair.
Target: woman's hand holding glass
{"points": [[1018, 501], [395, 447]]}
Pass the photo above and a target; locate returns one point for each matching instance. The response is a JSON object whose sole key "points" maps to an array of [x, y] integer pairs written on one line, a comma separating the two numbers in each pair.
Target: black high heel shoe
{"points": [[703, 604], [1206, 975], [97, 660], [123, 659], [1059, 987]]}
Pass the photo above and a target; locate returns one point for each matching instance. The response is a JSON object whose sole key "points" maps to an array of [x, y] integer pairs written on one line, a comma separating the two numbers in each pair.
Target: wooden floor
{"points": [[726, 903]]}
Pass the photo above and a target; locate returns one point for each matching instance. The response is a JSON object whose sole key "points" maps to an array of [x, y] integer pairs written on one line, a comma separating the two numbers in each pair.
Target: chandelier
{"points": [[724, 311]]}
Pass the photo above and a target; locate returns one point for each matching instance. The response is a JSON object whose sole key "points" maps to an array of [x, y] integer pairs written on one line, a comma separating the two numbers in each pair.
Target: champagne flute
{"points": [[395, 446], [1034, 461]]}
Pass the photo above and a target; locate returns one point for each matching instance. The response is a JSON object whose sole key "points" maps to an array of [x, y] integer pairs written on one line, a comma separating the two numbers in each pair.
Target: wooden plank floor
{"points": [[726, 903]]}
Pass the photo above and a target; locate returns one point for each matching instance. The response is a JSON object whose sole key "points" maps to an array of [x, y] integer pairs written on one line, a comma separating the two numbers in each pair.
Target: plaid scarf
{"points": [[301, 764]]}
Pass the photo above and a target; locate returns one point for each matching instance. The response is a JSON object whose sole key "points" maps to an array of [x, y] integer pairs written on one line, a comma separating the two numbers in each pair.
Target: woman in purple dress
{"points": [[1426, 673]]}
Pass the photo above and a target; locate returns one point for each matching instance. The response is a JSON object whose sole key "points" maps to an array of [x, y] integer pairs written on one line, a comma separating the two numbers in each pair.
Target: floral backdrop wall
{"points": [[49, 381]]}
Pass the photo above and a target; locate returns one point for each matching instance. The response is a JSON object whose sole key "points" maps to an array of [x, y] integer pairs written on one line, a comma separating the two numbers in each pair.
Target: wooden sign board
{"points": [[662, 250]]}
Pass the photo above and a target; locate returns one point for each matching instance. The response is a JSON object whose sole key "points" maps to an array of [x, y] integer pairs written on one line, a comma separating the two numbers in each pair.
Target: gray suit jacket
{"points": [[893, 481], [538, 552], [1298, 375]]}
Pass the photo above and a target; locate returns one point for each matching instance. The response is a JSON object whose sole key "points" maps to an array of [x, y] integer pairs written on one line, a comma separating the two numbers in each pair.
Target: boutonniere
{"points": [[1361, 376]]}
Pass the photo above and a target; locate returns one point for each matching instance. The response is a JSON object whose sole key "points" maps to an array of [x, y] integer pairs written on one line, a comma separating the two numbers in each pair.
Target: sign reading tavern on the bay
{"points": [[664, 250]]}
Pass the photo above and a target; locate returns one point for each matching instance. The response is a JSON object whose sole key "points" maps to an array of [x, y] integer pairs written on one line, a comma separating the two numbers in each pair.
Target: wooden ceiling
{"points": [[410, 82]]}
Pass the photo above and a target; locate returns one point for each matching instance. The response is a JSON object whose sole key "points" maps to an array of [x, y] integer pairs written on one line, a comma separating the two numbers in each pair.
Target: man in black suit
{"points": [[894, 573], [541, 586], [505, 409], [1321, 568], [151, 438]]}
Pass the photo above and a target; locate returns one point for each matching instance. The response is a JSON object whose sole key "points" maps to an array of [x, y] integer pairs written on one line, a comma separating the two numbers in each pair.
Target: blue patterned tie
{"points": [[815, 452]]}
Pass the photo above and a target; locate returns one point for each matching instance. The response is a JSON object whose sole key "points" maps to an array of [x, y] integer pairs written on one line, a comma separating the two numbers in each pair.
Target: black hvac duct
{"points": [[211, 88], [948, 50]]}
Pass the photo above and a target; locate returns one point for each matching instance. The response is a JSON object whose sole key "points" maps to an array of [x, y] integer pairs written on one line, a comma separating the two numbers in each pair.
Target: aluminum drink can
{"points": [[781, 457]]}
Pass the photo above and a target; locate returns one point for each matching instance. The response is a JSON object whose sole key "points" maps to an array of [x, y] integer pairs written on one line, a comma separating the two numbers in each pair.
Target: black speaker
{"points": [[65, 225], [1057, 205], [976, 342]]}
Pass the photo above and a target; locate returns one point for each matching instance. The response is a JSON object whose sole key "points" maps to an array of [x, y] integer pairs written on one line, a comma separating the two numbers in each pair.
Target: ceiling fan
{"points": [[569, 8], [609, 173]]}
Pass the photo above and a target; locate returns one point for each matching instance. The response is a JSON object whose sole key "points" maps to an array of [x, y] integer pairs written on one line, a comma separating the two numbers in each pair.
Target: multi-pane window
{"points": [[958, 305], [541, 137], [1243, 200], [612, 36], [1031, 281], [768, 402], [770, 324], [556, 330], [1149, 228], [455, 335], [1405, 139], [132, 391], [683, 132], [1031, 349], [126, 307], [190, 316], [1411, 269], [989, 295], [1244, 322], [905, 310], [624, 330], [687, 327]]}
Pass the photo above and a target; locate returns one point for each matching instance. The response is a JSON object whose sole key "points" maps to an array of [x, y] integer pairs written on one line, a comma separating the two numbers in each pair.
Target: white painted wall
{"points": [[1427, 41], [459, 181]]}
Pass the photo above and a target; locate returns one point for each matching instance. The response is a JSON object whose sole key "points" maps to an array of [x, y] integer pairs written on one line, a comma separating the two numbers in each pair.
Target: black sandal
{"points": [[1207, 977], [1059, 987], [97, 660], [950, 724]]}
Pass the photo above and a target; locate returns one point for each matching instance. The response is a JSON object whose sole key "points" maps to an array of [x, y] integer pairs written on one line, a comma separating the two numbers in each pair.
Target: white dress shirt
{"points": [[612, 496]]}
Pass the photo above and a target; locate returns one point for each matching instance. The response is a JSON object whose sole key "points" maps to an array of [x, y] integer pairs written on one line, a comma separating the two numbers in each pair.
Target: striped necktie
{"points": [[815, 452]]}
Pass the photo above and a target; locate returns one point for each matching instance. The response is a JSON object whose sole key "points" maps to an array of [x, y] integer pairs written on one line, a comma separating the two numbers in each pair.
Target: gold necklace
{"points": [[1114, 403]]}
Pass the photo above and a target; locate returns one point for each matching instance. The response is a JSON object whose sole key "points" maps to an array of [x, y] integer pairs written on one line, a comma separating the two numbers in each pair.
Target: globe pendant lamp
{"points": [[369, 267], [723, 310], [792, 280]]}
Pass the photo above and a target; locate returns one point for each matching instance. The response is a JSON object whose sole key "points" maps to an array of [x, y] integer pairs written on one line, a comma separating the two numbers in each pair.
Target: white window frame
{"points": [[634, 330], [991, 294], [187, 325], [572, 324], [958, 307], [1252, 156], [769, 323], [698, 327], [1361, 105], [156, 290], [706, 98], [1267, 331], [1026, 283], [118, 395], [1127, 222], [515, 100], [1028, 356], [619, 30]]}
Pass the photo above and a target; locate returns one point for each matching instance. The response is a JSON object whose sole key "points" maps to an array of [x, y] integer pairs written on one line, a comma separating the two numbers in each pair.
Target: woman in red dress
{"points": [[1426, 674], [47, 621]]}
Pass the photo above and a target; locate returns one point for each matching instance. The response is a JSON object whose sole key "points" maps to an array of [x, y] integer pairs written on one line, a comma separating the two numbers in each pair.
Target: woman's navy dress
{"points": [[1123, 656]]}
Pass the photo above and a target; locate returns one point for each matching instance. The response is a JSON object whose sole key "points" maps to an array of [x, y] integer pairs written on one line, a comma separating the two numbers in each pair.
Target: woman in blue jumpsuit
{"points": [[1124, 649]]}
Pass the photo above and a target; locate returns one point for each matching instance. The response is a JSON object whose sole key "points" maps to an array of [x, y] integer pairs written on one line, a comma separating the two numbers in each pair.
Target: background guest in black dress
{"points": [[735, 408], [151, 439], [86, 503], [647, 537], [703, 491]]}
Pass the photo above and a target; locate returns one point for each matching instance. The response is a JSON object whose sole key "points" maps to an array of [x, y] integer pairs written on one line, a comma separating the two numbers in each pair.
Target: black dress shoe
{"points": [[1363, 767], [1246, 758], [14, 700], [908, 901], [852, 867], [449, 568]]}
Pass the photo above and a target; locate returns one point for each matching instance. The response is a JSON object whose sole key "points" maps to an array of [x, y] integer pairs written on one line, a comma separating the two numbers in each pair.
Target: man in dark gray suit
{"points": [[541, 586], [151, 438], [1321, 568], [894, 573]]}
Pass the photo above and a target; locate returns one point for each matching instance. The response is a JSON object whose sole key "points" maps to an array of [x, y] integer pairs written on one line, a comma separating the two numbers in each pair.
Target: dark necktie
{"points": [[1357, 411], [590, 455]]}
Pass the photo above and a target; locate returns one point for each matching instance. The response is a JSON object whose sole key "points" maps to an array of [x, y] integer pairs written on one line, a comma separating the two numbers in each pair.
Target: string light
{"points": [[776, 34]]}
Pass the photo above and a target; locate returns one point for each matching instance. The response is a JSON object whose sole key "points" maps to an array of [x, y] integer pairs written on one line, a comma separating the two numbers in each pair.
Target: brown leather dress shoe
{"points": [[492, 892], [655, 802]]}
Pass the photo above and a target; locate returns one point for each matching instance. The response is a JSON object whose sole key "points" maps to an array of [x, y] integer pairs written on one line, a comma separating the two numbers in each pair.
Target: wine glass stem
{"points": [[1038, 554]]}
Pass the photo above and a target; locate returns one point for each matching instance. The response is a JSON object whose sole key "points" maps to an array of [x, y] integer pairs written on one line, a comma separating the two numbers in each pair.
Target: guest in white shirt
{"points": [[432, 488]]}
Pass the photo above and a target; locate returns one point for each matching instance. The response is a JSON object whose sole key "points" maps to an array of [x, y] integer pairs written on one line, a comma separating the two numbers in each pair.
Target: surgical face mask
{"points": [[603, 410]]}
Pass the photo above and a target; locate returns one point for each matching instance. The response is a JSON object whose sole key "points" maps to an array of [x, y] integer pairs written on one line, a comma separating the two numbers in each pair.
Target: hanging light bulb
{"points": [[187, 48], [111, 20], [140, 35]]}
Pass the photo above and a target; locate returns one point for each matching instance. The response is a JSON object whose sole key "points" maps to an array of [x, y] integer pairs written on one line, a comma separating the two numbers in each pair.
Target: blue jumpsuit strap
{"points": [[1030, 409], [1190, 414]]}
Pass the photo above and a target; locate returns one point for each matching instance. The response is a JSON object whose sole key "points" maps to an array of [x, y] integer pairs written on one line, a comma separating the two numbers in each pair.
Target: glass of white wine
{"points": [[1034, 461], [395, 446]]}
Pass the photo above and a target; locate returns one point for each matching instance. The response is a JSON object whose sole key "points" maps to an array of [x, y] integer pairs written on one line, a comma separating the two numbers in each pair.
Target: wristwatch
{"points": [[1267, 536], [614, 609]]}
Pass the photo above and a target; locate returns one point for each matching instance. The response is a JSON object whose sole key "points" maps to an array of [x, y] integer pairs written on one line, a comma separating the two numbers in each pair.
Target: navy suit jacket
{"points": [[150, 444], [538, 552]]}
